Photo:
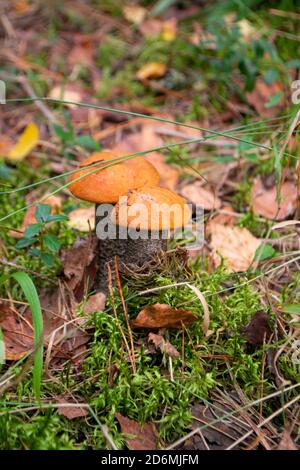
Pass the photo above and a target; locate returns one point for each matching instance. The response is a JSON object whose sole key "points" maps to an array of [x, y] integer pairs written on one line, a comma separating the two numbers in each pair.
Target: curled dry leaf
{"points": [[152, 70], [82, 219], [264, 200], [26, 142], [200, 196], [162, 345], [163, 316], [138, 437], [258, 330], [236, 245]]}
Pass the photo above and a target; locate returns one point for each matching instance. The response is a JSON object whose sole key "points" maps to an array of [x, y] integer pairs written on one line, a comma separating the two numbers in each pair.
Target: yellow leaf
{"points": [[152, 70], [169, 30], [27, 141]]}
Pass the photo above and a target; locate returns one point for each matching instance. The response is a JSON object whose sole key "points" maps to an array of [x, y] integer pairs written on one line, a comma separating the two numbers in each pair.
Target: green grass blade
{"points": [[32, 297]]}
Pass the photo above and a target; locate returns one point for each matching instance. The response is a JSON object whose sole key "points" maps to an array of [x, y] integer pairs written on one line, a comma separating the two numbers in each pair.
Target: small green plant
{"points": [[43, 244]]}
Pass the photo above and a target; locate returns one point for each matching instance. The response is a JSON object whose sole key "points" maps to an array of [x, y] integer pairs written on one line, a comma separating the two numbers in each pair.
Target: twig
{"points": [[263, 423], [232, 413]]}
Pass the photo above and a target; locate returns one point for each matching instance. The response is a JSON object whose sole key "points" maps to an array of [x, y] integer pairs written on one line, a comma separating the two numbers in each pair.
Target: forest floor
{"points": [[146, 77]]}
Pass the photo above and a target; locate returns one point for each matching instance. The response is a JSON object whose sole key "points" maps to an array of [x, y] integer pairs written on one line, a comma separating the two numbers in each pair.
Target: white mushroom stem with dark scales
{"points": [[131, 253]]}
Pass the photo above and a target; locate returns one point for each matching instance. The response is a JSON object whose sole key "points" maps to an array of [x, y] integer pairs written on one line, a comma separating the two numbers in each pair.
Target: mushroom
{"points": [[134, 217]]}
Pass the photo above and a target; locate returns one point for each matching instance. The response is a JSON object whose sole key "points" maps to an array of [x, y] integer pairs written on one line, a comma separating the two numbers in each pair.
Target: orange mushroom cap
{"points": [[151, 208], [106, 185]]}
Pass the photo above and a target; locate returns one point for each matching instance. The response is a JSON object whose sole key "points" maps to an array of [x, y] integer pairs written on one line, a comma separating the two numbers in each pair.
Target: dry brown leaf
{"points": [[260, 96], [82, 219], [152, 70], [226, 216], [163, 316], [82, 53], [264, 201], [134, 13], [18, 334], [80, 265], [162, 345], [200, 196], [29, 218], [236, 245], [258, 330], [71, 412], [151, 27], [95, 303], [138, 437]]}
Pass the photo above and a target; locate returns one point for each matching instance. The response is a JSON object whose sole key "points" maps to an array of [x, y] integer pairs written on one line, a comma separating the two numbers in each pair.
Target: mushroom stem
{"points": [[132, 253]]}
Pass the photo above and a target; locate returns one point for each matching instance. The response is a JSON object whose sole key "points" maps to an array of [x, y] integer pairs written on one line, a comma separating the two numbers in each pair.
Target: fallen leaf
{"points": [[226, 216], [139, 437], [18, 334], [82, 219], [236, 245], [162, 345], [95, 303], [26, 142], [152, 70], [18, 330], [200, 196], [264, 200], [82, 53], [163, 316], [134, 13], [67, 93], [80, 265], [261, 96], [151, 27], [286, 442], [258, 330], [29, 218], [71, 412], [169, 30]]}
